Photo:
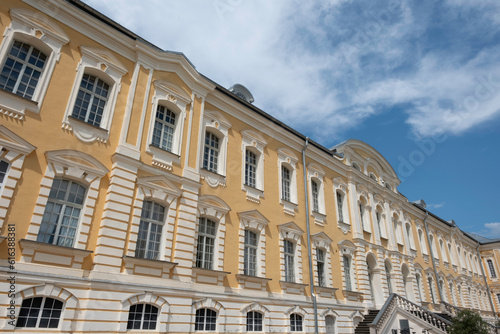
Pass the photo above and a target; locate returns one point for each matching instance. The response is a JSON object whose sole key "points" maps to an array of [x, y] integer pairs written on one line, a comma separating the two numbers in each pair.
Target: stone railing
{"points": [[439, 325], [449, 309]]}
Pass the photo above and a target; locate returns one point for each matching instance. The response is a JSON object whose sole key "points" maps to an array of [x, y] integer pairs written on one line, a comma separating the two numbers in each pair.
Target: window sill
{"points": [[253, 194], [345, 227], [148, 267], [325, 292], [354, 294], [40, 252], [252, 282], [209, 276], [288, 207], [15, 106], [162, 158], [319, 218], [212, 178], [292, 287], [84, 131]]}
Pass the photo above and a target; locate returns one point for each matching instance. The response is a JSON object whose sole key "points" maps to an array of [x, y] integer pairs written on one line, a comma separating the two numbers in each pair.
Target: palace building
{"points": [[139, 196]]}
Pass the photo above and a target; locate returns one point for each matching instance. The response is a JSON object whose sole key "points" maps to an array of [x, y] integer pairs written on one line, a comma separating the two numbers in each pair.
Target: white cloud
{"points": [[492, 230], [325, 65], [436, 206]]}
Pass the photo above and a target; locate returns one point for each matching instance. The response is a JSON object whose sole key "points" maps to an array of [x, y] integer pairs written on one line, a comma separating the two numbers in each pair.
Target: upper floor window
{"points": [[289, 252], [150, 230], [315, 195], [142, 316], [164, 128], [39, 312], [250, 255], [388, 278], [22, 69], [320, 266], [254, 321], [91, 100], [62, 213], [211, 152], [431, 289], [250, 168], [206, 320], [340, 205], [296, 322], [285, 183], [206, 243], [493, 274]]}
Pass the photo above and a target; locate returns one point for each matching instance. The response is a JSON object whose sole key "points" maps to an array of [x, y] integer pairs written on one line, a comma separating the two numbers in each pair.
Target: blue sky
{"points": [[417, 80]]}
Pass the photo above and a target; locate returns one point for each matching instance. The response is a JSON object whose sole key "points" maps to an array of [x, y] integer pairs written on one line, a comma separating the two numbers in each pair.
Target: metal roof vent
{"points": [[420, 203], [242, 92]]}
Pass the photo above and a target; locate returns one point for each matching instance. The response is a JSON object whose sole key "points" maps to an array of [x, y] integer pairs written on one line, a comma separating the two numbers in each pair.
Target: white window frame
{"points": [[322, 241], [143, 313], [253, 221], [409, 235], [255, 143], [150, 221], [491, 269], [340, 186], [364, 211], [41, 311], [105, 66], [174, 98], [43, 33], [379, 209], [422, 241], [67, 164], [316, 174], [289, 160], [433, 245], [204, 324], [347, 249], [292, 233], [217, 124], [397, 224]]}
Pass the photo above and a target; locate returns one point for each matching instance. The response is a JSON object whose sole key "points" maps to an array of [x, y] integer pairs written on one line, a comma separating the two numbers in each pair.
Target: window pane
{"points": [[91, 100]]}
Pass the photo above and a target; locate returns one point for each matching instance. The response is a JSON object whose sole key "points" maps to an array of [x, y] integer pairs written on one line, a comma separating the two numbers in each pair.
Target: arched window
{"points": [[330, 324], [315, 195], [296, 322], [164, 128], [39, 312], [250, 168], [62, 213], [285, 183], [211, 152], [340, 206], [206, 320], [250, 253], [91, 100], [206, 243], [493, 273], [142, 316], [431, 289], [388, 277], [254, 321], [419, 286], [150, 230], [347, 273], [22, 69]]}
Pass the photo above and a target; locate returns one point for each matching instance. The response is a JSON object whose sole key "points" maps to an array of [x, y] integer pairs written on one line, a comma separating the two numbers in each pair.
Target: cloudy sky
{"points": [[417, 80]]}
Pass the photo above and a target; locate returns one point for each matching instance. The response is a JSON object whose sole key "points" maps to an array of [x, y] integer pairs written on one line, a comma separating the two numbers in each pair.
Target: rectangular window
{"points": [[289, 261], [211, 152], [4, 166], [340, 204], [379, 217], [91, 100], [347, 273], [250, 169], [315, 195], [250, 258], [320, 263], [362, 214], [22, 69], [492, 269], [431, 289], [285, 183], [163, 133], [150, 230], [62, 213], [206, 243], [417, 277]]}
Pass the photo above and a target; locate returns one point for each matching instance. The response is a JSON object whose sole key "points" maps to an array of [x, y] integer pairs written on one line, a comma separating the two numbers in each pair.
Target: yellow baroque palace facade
{"points": [[139, 196]]}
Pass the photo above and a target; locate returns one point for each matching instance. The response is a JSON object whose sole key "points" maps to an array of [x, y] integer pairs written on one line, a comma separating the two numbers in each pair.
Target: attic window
{"points": [[356, 166], [388, 186], [372, 176]]}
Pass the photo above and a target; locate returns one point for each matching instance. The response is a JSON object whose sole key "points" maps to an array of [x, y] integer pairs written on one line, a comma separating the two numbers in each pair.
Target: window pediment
{"points": [[253, 219], [76, 164], [347, 248], [212, 206], [168, 91], [290, 231], [104, 61], [40, 24], [340, 184], [315, 170], [321, 240], [159, 187], [13, 142], [252, 138], [285, 155], [216, 120]]}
